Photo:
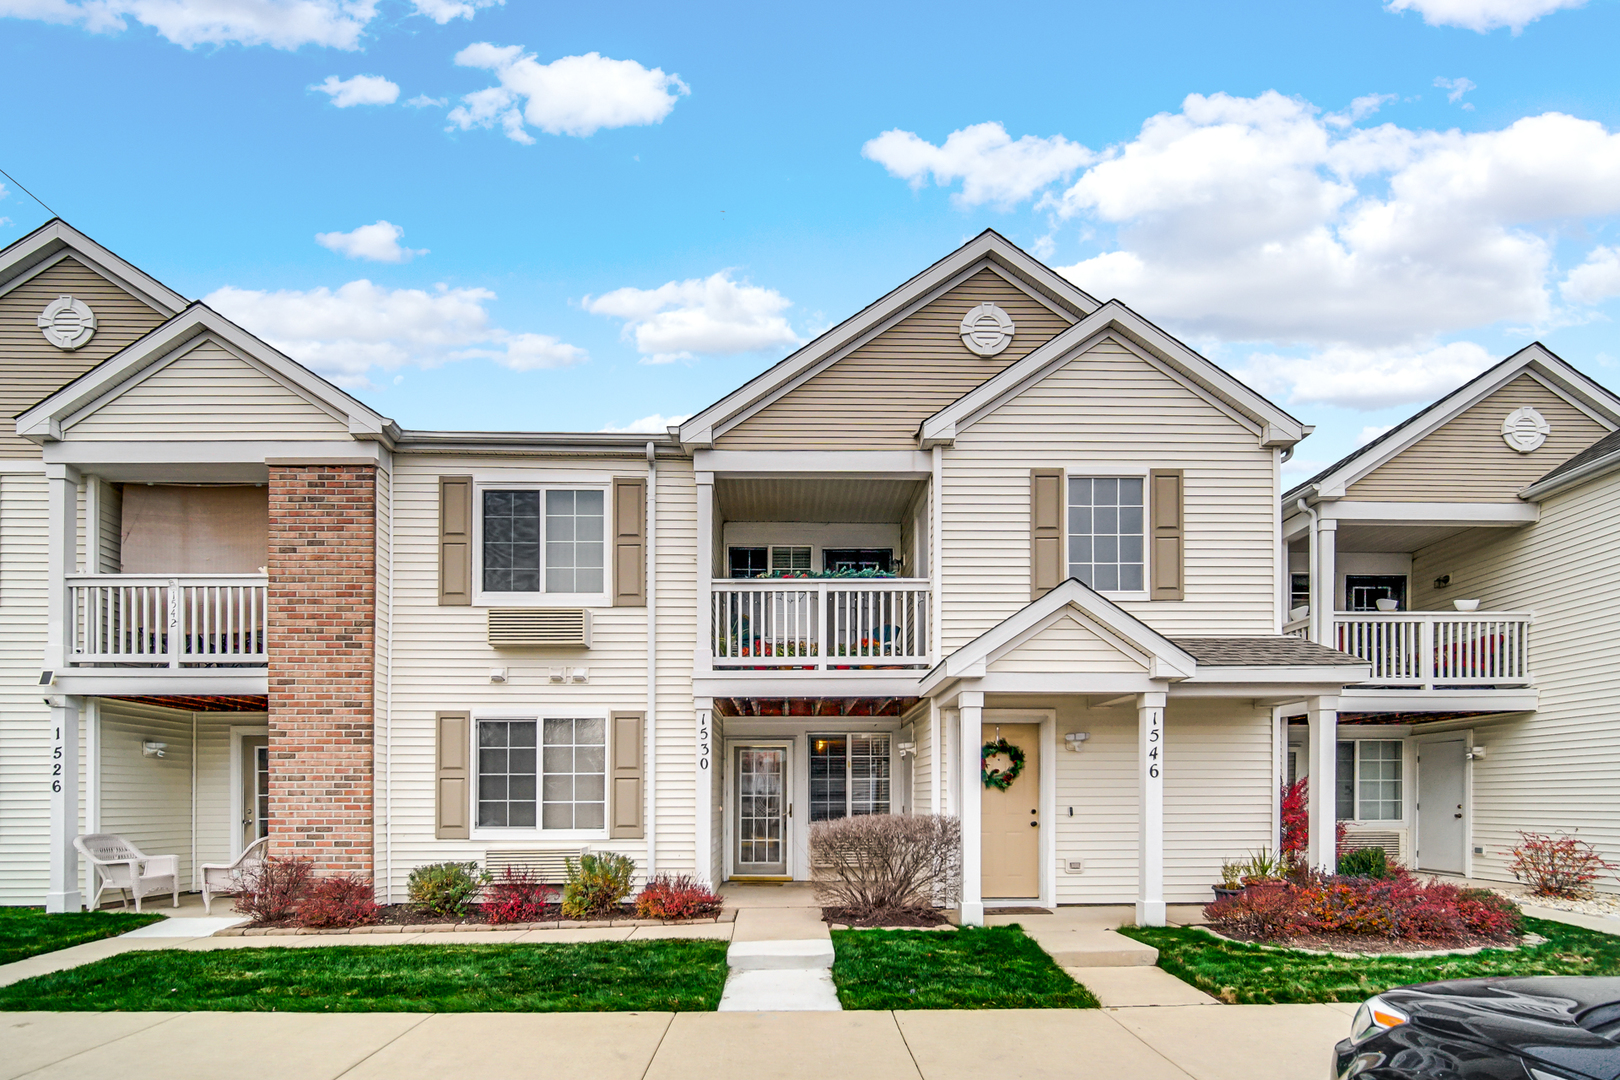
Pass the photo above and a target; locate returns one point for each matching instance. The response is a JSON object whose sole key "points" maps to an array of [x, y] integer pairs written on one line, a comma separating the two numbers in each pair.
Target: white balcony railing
{"points": [[1435, 648], [166, 620], [819, 624]]}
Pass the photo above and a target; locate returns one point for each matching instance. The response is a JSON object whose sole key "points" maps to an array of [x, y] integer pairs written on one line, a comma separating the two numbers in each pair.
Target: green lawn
{"points": [[602, 976], [1248, 975], [26, 932], [992, 967]]}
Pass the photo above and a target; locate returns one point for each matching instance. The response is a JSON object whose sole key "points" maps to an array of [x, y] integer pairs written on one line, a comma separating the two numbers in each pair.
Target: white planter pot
{"points": [[1388, 605], [1466, 605]]}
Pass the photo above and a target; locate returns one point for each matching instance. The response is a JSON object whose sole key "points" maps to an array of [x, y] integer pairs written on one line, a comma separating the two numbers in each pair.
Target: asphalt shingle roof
{"points": [[1275, 651], [1609, 444]]}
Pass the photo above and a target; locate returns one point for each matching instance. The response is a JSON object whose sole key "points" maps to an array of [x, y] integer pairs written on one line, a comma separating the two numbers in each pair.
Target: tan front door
{"points": [[1010, 820]]}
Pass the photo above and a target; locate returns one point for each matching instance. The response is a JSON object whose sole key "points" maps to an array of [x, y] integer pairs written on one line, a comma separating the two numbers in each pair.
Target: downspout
{"points": [[652, 660], [1314, 629], [388, 714]]}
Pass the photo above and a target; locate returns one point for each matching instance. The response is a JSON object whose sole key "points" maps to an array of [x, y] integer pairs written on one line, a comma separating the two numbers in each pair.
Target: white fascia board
{"points": [[247, 451], [894, 464], [701, 429], [1271, 424], [1337, 675], [184, 682], [847, 684], [1058, 682], [1546, 368], [1413, 700], [1261, 693], [56, 238], [1502, 514]]}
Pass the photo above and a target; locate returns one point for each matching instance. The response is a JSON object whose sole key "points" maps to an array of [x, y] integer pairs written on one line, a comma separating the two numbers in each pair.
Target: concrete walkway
{"points": [[1196, 1042], [781, 953]]}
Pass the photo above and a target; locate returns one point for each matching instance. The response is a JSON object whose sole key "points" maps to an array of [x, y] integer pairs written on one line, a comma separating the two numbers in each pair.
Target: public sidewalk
{"points": [[1194, 1042]]}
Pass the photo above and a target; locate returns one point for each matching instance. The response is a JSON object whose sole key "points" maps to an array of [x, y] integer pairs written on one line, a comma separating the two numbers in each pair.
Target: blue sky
{"points": [[597, 214]]}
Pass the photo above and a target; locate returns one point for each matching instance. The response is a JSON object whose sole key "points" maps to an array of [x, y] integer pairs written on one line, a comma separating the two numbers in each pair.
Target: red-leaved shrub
{"points": [[270, 890], [338, 902], [1295, 836], [1396, 908], [676, 897], [1557, 865], [516, 897]]}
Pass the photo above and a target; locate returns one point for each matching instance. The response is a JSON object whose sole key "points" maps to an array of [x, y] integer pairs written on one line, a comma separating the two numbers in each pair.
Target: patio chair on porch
{"points": [[225, 879], [119, 864]]}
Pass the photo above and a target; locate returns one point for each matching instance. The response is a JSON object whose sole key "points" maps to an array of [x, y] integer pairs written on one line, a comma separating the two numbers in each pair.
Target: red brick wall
{"points": [[321, 609]]}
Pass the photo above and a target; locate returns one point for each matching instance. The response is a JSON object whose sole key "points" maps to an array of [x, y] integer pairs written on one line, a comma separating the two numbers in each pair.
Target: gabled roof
{"points": [[56, 238], [1601, 457], [45, 421], [1273, 426], [1535, 359], [1163, 658], [989, 248]]}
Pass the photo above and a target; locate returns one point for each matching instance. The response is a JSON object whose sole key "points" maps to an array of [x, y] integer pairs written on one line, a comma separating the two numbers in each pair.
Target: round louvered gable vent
{"points": [[68, 323], [987, 330], [1525, 429]]}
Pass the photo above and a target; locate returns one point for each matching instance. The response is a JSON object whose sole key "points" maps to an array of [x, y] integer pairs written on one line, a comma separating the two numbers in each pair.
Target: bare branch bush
{"points": [[884, 863]]}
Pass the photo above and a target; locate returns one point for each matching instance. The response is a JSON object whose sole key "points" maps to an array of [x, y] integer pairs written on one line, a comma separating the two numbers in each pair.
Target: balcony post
{"points": [[1323, 600], [1150, 810], [172, 603], [61, 552], [64, 894], [1322, 740], [708, 632], [1426, 658], [823, 643]]}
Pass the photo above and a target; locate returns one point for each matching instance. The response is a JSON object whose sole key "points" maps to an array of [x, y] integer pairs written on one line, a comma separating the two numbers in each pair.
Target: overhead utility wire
{"points": [[28, 193]]}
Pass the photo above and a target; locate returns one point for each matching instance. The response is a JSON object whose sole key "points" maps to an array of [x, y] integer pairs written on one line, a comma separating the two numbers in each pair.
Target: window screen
{"points": [[511, 541], [1378, 780], [574, 787], [574, 532], [506, 774], [1105, 532], [849, 775]]}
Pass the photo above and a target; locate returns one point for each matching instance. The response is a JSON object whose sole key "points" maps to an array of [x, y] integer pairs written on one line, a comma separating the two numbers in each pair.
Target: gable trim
{"points": [[1043, 284], [1272, 425], [1129, 649], [53, 241]]}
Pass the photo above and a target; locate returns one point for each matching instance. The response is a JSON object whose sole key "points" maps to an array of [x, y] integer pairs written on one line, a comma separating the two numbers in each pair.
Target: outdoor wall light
{"points": [[1075, 739], [154, 749], [907, 749], [497, 674], [1475, 753]]}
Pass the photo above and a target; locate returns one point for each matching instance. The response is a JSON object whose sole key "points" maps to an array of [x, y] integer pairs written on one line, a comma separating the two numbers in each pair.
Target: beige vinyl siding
{"points": [[1108, 412], [31, 368], [147, 800], [875, 398], [1066, 645], [1466, 460], [208, 394], [1555, 769], [441, 661], [25, 721], [110, 556], [922, 767]]}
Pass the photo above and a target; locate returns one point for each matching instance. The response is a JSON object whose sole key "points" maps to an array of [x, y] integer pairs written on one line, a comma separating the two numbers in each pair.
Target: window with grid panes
{"points": [[544, 541], [1105, 532], [784, 557], [559, 784], [849, 775], [506, 774], [1369, 780]]}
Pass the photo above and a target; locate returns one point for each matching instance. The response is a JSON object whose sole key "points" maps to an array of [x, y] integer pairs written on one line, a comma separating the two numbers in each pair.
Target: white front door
{"points": [[760, 811], [1442, 831]]}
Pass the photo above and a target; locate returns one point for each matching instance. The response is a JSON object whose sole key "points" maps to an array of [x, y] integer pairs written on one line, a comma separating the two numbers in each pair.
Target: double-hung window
{"points": [[548, 773], [849, 775], [1368, 772], [549, 540], [1107, 548]]}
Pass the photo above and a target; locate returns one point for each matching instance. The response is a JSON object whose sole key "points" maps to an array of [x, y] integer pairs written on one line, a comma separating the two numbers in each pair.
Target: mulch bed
{"points": [[1367, 943], [409, 917], [919, 918]]}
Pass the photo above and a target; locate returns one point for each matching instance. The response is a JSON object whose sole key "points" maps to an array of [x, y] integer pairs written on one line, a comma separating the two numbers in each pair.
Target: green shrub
{"points": [[1368, 862], [596, 884], [445, 888]]}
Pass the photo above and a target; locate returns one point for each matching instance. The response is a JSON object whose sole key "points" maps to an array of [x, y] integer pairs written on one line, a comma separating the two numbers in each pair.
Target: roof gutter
{"points": [[1581, 473]]}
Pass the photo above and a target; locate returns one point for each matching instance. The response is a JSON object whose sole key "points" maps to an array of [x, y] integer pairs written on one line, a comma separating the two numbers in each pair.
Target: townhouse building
{"points": [[988, 517]]}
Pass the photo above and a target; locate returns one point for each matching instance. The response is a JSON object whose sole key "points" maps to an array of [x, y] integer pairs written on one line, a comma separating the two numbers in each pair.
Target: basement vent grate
{"points": [[549, 867], [520, 627]]}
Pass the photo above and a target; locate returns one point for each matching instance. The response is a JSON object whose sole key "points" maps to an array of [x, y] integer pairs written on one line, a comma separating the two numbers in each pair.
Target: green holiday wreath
{"points": [[1001, 779]]}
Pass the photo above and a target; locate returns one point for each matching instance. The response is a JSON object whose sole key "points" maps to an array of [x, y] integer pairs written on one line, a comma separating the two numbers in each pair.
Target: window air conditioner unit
{"points": [[1393, 841], [512, 628]]}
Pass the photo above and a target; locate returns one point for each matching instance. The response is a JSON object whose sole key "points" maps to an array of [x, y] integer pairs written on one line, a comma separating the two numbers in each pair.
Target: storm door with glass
{"points": [[255, 789], [761, 810]]}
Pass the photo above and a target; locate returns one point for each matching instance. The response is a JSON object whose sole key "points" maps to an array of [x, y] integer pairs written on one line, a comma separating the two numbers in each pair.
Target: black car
{"points": [[1545, 1028]]}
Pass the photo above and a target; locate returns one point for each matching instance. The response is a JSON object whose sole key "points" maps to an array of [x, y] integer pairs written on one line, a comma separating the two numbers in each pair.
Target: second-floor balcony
{"points": [[1432, 650], [166, 620], [819, 624]]}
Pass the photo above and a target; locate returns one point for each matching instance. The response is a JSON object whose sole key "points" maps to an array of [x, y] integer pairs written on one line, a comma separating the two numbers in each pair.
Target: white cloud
{"points": [[378, 242], [348, 332], [1361, 108], [575, 95], [700, 316], [656, 423], [1455, 89], [1371, 432], [991, 165], [360, 90], [1366, 378], [1595, 280], [1482, 15], [442, 11], [422, 101], [281, 24]]}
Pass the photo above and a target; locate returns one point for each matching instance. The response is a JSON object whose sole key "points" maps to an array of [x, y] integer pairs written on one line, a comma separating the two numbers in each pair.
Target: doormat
{"points": [[1017, 911]]}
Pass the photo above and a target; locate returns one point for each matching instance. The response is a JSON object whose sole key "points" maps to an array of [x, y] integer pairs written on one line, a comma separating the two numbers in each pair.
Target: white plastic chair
{"points": [[121, 865], [225, 879]]}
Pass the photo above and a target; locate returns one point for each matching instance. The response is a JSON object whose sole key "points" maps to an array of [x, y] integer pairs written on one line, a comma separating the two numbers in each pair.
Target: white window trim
{"points": [[540, 716], [1102, 470], [530, 599]]}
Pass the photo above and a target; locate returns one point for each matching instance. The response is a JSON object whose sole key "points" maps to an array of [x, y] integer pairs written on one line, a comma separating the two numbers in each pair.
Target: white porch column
{"points": [[1323, 583], [61, 556], [703, 797], [969, 765], [703, 661], [1322, 740], [64, 892], [1150, 827]]}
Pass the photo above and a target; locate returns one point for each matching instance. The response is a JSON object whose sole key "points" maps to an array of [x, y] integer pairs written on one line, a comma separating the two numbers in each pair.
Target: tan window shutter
{"points": [[1045, 531], [1168, 556], [453, 794], [629, 543], [455, 540], [624, 785]]}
